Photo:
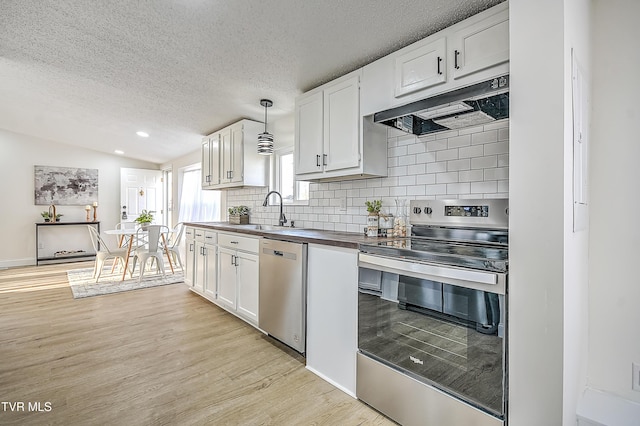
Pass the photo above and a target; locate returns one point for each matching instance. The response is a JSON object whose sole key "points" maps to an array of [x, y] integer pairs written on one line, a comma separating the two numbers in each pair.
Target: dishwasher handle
{"points": [[279, 253]]}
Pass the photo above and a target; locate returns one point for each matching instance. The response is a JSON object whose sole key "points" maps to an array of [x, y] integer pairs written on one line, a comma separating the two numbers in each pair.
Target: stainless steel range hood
{"points": [[480, 103]]}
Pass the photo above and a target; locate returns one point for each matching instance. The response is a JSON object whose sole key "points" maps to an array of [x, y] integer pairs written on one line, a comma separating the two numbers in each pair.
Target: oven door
{"points": [[440, 325]]}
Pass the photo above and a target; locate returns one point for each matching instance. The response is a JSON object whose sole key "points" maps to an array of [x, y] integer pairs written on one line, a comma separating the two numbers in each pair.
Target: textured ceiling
{"points": [[93, 73]]}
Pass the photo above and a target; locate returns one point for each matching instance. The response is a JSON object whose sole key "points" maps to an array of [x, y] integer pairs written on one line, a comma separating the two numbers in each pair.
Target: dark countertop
{"points": [[299, 235]]}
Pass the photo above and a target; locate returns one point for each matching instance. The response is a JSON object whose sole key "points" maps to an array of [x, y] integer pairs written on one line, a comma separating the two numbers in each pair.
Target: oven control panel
{"points": [[484, 213], [468, 211]]}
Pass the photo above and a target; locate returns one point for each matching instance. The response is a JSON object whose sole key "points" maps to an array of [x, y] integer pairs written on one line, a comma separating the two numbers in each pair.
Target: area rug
{"points": [[82, 285]]}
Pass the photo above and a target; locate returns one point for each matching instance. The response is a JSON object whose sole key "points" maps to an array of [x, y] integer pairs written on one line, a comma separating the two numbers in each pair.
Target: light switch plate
{"points": [[343, 204], [636, 377]]}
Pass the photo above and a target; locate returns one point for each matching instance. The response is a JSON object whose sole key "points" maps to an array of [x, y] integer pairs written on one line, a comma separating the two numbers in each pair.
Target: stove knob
{"points": [[417, 210], [428, 210]]}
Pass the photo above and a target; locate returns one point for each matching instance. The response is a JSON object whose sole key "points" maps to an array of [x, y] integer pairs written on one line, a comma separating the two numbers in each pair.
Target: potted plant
{"points": [[373, 207], [239, 215], [145, 218], [47, 218]]}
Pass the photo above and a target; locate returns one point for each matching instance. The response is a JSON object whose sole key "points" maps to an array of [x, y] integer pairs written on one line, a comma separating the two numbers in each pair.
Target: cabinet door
{"points": [[248, 276], [227, 277], [206, 163], [211, 271], [422, 67], [481, 45], [308, 133], [237, 154], [189, 263], [226, 156], [341, 125], [199, 277]]}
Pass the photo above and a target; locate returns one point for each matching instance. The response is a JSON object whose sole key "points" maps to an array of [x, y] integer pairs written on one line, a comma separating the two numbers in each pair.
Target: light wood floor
{"points": [[161, 356]]}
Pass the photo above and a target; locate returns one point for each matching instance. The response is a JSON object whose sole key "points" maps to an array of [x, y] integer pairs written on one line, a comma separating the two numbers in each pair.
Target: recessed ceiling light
{"points": [[142, 134], [117, 151]]}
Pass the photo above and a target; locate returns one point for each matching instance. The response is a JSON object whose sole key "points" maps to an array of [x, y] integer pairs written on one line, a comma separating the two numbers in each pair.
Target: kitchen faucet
{"points": [[282, 219]]}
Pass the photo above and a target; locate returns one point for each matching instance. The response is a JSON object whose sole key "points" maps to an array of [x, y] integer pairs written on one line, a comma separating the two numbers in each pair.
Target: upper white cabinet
{"points": [[481, 45], [468, 52], [422, 67], [210, 160], [328, 135], [230, 159]]}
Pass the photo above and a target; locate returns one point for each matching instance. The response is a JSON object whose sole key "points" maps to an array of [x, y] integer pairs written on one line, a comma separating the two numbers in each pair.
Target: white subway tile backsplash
{"points": [[416, 169], [471, 176], [496, 148], [448, 177], [484, 162], [458, 188], [484, 137], [448, 154], [459, 141], [465, 163], [439, 167], [455, 165]]}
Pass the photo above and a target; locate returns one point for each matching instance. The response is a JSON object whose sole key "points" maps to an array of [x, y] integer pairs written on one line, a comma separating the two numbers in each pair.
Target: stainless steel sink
{"points": [[260, 227]]}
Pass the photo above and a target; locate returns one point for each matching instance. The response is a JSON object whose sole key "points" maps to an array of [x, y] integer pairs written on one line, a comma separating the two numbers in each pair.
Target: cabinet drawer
{"points": [[190, 233], [198, 234], [210, 237], [235, 241]]}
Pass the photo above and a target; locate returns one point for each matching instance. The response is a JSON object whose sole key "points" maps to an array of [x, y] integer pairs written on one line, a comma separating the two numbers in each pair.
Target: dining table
{"points": [[129, 234]]}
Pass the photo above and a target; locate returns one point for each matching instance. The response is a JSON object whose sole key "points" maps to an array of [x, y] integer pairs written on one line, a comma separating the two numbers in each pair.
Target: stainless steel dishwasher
{"points": [[283, 292]]}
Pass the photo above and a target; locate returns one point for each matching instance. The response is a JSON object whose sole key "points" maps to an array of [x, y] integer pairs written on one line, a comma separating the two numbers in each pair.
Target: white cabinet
{"points": [[468, 52], [210, 161], [422, 67], [230, 157], [480, 45], [238, 275], [190, 250], [328, 134], [332, 307]]}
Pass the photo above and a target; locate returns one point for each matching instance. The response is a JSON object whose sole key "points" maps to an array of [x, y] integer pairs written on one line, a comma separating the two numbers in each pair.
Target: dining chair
{"points": [[173, 243], [152, 235], [103, 252]]}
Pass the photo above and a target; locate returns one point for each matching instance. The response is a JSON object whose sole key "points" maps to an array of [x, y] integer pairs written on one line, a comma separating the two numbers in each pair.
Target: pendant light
{"points": [[265, 139]]}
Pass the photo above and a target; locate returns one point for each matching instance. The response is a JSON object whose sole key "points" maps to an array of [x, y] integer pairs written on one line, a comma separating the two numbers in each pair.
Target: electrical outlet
{"points": [[40, 245], [343, 204], [636, 377]]}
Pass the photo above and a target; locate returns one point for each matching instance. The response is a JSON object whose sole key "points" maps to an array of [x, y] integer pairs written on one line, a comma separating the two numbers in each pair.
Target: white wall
{"points": [[576, 37], [536, 206], [18, 155], [614, 285]]}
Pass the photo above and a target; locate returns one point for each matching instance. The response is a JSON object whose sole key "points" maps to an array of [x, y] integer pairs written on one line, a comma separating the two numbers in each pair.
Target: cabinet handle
{"points": [[324, 159], [317, 161], [439, 70], [191, 247], [233, 242], [455, 59], [230, 174]]}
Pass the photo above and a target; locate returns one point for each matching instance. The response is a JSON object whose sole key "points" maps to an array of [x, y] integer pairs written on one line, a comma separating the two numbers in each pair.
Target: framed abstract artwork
{"points": [[66, 186]]}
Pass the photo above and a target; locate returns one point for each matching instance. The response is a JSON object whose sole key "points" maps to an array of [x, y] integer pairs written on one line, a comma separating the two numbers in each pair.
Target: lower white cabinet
{"points": [[238, 275], [201, 262], [332, 309]]}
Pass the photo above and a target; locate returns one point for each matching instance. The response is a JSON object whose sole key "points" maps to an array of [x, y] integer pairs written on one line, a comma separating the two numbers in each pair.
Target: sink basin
{"points": [[260, 227]]}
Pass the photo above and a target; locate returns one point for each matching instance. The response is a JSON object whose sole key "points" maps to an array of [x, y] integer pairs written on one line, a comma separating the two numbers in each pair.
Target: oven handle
{"points": [[489, 281]]}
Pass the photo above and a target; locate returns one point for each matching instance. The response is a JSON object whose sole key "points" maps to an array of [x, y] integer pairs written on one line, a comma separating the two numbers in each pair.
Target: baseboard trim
{"points": [[599, 408], [4, 264], [325, 378]]}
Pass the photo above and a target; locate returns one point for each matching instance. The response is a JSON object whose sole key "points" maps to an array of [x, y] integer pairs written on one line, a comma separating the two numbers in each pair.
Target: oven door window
{"points": [[443, 335]]}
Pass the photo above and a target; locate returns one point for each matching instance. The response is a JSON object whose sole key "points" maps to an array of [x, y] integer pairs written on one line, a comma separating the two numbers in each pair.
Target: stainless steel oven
{"points": [[431, 317]]}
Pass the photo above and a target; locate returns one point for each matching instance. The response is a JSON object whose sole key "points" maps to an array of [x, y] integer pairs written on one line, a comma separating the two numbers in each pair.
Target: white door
{"points": [[341, 126], [248, 290], [227, 277], [308, 137], [141, 189]]}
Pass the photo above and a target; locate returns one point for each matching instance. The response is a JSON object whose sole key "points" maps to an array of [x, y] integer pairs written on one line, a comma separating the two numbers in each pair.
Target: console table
{"points": [[67, 257]]}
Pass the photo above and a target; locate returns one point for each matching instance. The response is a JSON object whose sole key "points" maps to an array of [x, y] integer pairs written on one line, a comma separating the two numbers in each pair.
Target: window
{"points": [[292, 191], [196, 204]]}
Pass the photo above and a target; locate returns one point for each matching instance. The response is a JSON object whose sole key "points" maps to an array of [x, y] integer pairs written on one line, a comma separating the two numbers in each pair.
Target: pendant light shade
{"points": [[265, 139]]}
